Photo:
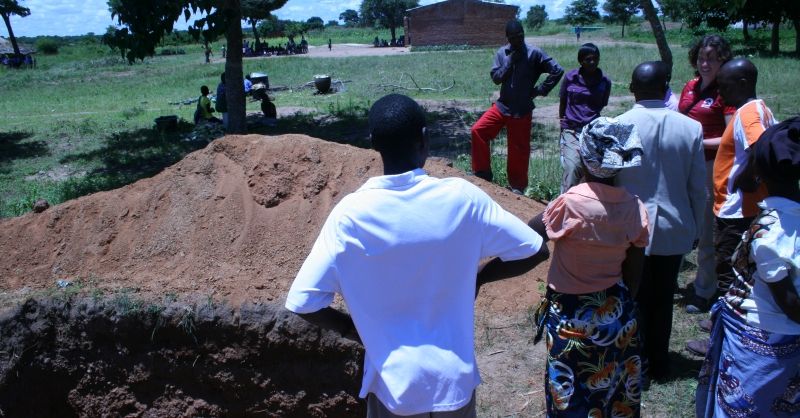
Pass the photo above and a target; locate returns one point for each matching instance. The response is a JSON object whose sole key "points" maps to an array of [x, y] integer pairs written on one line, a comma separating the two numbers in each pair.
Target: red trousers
{"points": [[519, 144]]}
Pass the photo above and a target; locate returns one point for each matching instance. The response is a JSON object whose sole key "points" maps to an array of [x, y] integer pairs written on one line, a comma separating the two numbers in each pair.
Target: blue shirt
{"points": [[518, 79]]}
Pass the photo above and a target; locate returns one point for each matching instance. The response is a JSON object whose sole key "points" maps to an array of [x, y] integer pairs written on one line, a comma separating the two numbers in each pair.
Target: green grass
{"points": [[83, 120]]}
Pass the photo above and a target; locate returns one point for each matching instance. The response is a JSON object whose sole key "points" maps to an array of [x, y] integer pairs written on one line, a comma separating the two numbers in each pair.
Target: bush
{"points": [[47, 46]]}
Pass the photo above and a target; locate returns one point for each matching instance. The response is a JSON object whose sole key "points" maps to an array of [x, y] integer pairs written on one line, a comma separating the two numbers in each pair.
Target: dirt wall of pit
{"points": [[88, 357]]}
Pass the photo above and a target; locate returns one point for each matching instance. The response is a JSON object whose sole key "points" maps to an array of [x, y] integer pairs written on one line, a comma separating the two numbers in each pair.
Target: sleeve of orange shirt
{"points": [[752, 125]]}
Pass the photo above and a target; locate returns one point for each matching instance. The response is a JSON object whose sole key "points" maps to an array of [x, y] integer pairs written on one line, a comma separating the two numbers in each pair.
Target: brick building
{"points": [[458, 22]]}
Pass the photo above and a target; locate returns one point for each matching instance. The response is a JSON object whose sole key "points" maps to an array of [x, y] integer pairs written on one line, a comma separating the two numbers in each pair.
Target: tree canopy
{"points": [[349, 17], [8, 8], [582, 12], [621, 11], [536, 17], [386, 13]]}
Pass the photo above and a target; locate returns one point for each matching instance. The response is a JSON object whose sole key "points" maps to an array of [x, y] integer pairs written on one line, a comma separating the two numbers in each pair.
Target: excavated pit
{"points": [[103, 357]]}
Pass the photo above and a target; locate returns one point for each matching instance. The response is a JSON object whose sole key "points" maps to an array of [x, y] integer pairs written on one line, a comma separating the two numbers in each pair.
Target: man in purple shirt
{"points": [[584, 93], [517, 67]]}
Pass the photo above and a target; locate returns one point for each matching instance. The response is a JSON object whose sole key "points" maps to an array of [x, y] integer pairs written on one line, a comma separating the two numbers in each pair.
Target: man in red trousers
{"points": [[517, 67]]}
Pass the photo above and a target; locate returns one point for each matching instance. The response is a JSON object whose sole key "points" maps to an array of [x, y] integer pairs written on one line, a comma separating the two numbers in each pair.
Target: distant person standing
{"points": [[517, 67], [330, 44], [208, 53], [224, 51], [584, 93], [222, 102], [578, 33]]}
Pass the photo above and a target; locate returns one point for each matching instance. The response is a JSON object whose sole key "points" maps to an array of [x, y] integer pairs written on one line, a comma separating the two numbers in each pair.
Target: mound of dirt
{"points": [[232, 222]]}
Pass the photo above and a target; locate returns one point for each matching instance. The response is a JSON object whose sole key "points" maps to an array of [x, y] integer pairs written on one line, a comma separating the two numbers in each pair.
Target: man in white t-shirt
{"points": [[403, 251]]}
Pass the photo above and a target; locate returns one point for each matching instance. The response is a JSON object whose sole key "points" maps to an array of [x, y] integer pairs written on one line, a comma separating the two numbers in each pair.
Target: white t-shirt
{"points": [[403, 251], [774, 250]]}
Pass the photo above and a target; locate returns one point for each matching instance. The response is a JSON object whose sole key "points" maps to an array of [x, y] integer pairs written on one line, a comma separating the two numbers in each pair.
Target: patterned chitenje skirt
{"points": [[594, 368], [748, 372]]}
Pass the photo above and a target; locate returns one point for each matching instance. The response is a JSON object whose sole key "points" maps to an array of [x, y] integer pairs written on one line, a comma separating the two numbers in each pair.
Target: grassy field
{"points": [[83, 121]]}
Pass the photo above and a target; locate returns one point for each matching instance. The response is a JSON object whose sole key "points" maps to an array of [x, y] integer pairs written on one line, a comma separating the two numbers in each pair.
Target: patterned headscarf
{"points": [[608, 146]]}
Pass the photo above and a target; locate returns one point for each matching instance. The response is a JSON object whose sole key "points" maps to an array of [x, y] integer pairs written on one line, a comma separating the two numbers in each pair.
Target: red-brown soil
{"points": [[184, 275]]}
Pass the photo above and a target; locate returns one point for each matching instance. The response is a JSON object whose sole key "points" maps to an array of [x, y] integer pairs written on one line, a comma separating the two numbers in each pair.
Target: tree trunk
{"points": [[796, 36], [623, 29], [776, 37], [392, 30], [11, 37], [658, 32], [234, 80], [745, 31]]}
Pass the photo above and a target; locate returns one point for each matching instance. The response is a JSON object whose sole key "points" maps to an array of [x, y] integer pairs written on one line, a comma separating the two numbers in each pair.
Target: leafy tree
{"points": [[536, 17], [256, 10], [581, 12], [332, 23], [271, 27], [315, 23], [387, 13], [8, 8], [146, 22], [621, 11], [349, 17]]}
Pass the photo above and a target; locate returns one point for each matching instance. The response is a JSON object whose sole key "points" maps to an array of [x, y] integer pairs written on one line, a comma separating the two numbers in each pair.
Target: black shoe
{"points": [[698, 347], [486, 175], [705, 325]]}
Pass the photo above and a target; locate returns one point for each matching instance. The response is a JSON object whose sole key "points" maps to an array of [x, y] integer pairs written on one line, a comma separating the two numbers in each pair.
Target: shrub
{"points": [[47, 46]]}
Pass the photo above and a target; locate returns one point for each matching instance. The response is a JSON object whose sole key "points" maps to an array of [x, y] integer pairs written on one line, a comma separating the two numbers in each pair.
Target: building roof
{"points": [[488, 3]]}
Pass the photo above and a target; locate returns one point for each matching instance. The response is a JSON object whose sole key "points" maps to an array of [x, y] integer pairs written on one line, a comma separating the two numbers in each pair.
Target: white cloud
{"points": [[78, 17]]}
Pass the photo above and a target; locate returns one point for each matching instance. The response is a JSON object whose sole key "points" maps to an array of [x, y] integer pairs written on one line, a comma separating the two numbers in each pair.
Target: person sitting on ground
{"points": [[248, 84], [584, 93], [204, 111], [424, 238], [600, 231], [753, 361]]}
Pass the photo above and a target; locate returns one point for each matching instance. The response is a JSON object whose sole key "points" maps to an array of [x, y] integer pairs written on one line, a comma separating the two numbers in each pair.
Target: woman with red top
{"points": [[700, 100]]}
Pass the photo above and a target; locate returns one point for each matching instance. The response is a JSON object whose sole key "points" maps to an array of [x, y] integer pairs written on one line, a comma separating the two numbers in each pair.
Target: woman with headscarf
{"points": [[584, 93], [752, 367], [701, 101], [588, 315]]}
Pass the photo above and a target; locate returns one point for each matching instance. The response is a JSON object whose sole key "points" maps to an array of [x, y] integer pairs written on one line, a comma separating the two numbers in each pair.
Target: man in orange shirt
{"points": [[735, 208]]}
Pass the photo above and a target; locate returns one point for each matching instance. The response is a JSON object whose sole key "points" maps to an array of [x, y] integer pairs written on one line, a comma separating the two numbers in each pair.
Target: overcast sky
{"points": [[79, 17]]}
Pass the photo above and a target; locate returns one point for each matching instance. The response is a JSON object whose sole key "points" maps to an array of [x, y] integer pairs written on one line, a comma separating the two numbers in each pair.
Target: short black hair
{"points": [[204, 90], [588, 49], [396, 125], [513, 27]]}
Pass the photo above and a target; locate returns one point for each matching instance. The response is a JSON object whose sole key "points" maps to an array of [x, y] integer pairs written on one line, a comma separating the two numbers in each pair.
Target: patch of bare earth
{"points": [[184, 275]]}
